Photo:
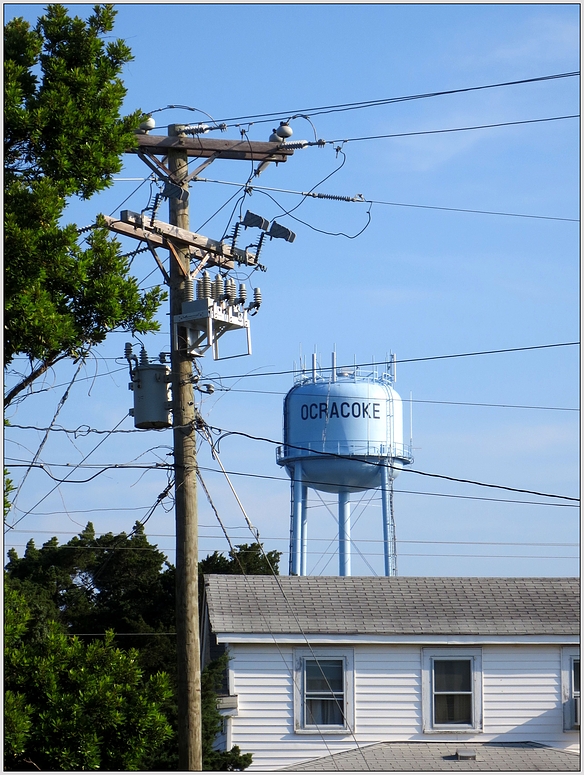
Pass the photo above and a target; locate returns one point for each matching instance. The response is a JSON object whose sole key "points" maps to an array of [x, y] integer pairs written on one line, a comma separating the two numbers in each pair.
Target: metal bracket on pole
{"points": [[206, 320], [201, 167], [201, 265], [183, 271], [160, 264], [156, 166], [172, 188]]}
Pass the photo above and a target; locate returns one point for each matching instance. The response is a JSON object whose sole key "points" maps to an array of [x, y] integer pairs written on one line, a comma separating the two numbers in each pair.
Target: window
{"points": [[452, 690], [324, 694], [576, 690], [571, 687], [323, 691]]}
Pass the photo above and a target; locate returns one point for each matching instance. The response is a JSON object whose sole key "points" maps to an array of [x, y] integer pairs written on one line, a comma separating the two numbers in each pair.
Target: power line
{"points": [[445, 131], [322, 231], [168, 466], [362, 365], [410, 400], [57, 485], [357, 540], [401, 360], [342, 107], [479, 212], [85, 430], [363, 200], [332, 552], [80, 379], [255, 533], [129, 196], [82, 430], [411, 492], [388, 465], [285, 479], [60, 405], [74, 511], [102, 468]]}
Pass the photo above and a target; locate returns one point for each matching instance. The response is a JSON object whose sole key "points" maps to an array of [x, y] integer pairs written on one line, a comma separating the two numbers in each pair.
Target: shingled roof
{"points": [[441, 757], [408, 605]]}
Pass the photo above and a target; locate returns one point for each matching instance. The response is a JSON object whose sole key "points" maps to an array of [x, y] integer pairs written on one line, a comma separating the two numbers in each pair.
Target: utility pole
{"points": [[184, 246], [185, 488]]}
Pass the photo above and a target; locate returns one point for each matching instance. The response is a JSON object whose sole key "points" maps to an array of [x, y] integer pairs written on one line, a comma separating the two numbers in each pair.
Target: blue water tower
{"points": [[343, 433]]}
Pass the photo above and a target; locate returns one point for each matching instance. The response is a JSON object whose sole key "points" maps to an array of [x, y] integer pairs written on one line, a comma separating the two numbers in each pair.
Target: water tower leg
{"points": [[389, 546], [291, 553], [344, 534], [304, 531], [298, 507]]}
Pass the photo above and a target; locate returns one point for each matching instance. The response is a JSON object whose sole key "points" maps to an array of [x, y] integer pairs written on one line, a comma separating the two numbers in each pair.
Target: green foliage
{"points": [[117, 582], [8, 488], [248, 559], [122, 584], [65, 125], [64, 137], [92, 584], [76, 706]]}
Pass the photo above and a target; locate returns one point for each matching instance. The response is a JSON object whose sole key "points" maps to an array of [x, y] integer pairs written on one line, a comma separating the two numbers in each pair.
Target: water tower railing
{"points": [[349, 373], [365, 449]]}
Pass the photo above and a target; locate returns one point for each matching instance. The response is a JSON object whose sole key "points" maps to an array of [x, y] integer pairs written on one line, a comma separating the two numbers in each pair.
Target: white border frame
{"points": [[476, 657], [300, 656], [569, 654]]}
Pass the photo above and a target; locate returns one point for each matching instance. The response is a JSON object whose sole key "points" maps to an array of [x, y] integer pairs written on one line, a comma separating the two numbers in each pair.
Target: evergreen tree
{"points": [[109, 582], [120, 584], [64, 137], [248, 559], [76, 706]]}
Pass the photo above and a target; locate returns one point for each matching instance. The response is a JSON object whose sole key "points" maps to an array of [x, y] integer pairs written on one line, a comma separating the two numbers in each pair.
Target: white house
{"points": [[324, 665]]}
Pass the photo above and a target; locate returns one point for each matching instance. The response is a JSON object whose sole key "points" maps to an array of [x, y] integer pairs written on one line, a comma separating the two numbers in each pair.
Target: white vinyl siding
{"points": [[386, 697], [522, 692], [521, 700], [387, 681]]}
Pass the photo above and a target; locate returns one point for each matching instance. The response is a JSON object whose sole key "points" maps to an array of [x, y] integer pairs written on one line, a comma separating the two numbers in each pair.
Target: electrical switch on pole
{"points": [[185, 487]]}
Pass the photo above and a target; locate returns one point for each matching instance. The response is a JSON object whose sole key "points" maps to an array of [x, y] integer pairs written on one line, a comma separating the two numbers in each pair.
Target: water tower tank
{"points": [[343, 433]]}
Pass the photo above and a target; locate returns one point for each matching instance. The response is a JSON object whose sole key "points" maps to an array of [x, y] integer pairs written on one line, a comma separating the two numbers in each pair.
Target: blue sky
{"points": [[418, 282]]}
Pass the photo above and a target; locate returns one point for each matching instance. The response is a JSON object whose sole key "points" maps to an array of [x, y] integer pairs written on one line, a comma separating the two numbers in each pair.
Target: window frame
{"points": [[570, 694], [474, 656], [301, 656]]}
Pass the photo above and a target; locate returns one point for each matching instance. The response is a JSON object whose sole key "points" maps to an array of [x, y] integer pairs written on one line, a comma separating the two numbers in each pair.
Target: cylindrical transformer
{"points": [[152, 398]]}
